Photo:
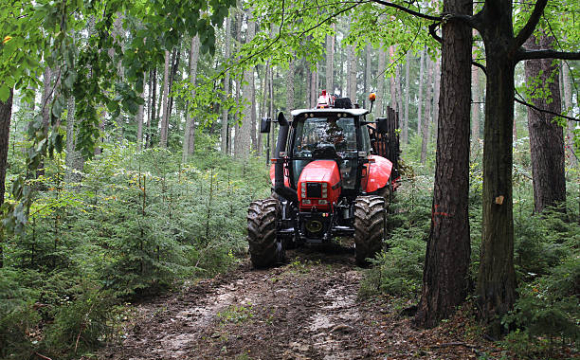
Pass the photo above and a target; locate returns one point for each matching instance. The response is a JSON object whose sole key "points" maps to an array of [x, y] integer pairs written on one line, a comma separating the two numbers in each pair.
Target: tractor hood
{"points": [[319, 185]]}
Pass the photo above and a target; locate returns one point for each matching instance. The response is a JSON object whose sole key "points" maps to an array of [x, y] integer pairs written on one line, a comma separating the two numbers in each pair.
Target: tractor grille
{"points": [[313, 190]]}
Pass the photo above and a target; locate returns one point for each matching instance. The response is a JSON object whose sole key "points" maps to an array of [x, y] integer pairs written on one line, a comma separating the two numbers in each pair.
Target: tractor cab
{"points": [[328, 164]]}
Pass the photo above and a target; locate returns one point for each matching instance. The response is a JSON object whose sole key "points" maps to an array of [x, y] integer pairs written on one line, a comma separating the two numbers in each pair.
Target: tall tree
{"points": [[567, 87], [407, 86], [244, 136], [420, 104], [225, 111], [5, 118], [189, 135], [381, 82], [351, 61], [426, 121], [475, 112], [546, 135], [165, 119], [445, 278]]}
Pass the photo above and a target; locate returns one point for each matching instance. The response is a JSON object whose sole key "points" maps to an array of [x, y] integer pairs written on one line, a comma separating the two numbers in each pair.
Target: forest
{"points": [[130, 150]]}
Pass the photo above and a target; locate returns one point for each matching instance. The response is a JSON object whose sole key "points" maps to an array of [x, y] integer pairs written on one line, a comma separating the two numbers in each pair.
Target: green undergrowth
{"points": [[135, 226], [546, 317]]}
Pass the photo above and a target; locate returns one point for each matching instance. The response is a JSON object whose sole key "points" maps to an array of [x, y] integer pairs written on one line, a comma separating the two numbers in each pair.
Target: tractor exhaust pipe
{"points": [[279, 187]]}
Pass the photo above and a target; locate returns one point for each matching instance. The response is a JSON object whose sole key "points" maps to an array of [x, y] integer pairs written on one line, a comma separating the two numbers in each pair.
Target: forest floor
{"points": [[307, 309]]}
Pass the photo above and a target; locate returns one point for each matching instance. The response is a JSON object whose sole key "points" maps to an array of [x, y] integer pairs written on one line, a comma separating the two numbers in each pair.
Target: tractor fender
{"points": [[378, 173]]}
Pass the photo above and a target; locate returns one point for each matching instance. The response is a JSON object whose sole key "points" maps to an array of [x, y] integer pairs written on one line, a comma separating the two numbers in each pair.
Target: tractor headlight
{"points": [[303, 190], [325, 190], [322, 202]]}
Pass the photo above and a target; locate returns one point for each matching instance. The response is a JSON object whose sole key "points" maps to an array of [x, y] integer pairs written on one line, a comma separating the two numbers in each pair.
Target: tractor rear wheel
{"points": [[265, 249], [369, 227]]}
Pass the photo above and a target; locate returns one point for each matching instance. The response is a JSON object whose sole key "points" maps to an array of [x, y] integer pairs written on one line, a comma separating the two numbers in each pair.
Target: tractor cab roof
{"points": [[350, 112]]}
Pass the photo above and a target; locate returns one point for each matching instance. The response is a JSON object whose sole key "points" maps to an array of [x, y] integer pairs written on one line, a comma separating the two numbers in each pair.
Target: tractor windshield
{"points": [[326, 138], [322, 138]]}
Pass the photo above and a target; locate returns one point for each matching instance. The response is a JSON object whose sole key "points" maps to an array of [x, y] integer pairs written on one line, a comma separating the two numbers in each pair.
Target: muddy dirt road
{"points": [[307, 309]]}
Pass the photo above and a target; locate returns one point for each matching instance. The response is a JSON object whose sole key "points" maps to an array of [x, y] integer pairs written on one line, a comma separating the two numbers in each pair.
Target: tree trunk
{"points": [[436, 96], [74, 159], [426, 121], [152, 124], [272, 115], [445, 278], [475, 112], [244, 137], [330, 62], [290, 88], [225, 112], [189, 135], [496, 280], [420, 104], [368, 73], [567, 85], [47, 93], [165, 118], [393, 89], [546, 136], [5, 118], [351, 73], [264, 106], [381, 82], [407, 87], [139, 119]]}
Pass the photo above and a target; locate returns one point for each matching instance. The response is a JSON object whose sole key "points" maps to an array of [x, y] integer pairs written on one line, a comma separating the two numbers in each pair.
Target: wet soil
{"points": [[307, 309]]}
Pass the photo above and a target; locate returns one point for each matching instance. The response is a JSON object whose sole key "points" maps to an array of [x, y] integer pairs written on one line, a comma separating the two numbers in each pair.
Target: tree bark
{"points": [[189, 135], [546, 136], [165, 118], [436, 95], [445, 278], [496, 279], [5, 118]]}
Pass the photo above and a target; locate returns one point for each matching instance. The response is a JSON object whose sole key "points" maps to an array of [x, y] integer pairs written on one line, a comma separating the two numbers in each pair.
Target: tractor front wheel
{"points": [[265, 249], [369, 227]]}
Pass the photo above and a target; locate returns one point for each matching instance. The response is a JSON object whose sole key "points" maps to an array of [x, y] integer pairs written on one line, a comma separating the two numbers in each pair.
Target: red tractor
{"points": [[332, 174]]}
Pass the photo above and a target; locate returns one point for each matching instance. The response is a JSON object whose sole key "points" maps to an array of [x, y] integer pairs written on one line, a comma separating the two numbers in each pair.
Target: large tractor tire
{"points": [[369, 227], [265, 249]]}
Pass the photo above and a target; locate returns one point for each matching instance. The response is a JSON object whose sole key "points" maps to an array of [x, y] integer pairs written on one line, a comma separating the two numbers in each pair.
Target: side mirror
{"points": [[265, 125], [382, 125], [282, 120]]}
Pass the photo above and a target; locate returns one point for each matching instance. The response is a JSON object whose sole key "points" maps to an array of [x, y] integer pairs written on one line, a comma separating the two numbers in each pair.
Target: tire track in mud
{"points": [[307, 309]]}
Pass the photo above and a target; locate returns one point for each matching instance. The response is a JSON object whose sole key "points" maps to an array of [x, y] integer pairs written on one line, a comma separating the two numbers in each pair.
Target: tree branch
{"points": [[433, 32], [543, 110], [409, 11], [476, 64], [546, 54], [530, 26]]}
